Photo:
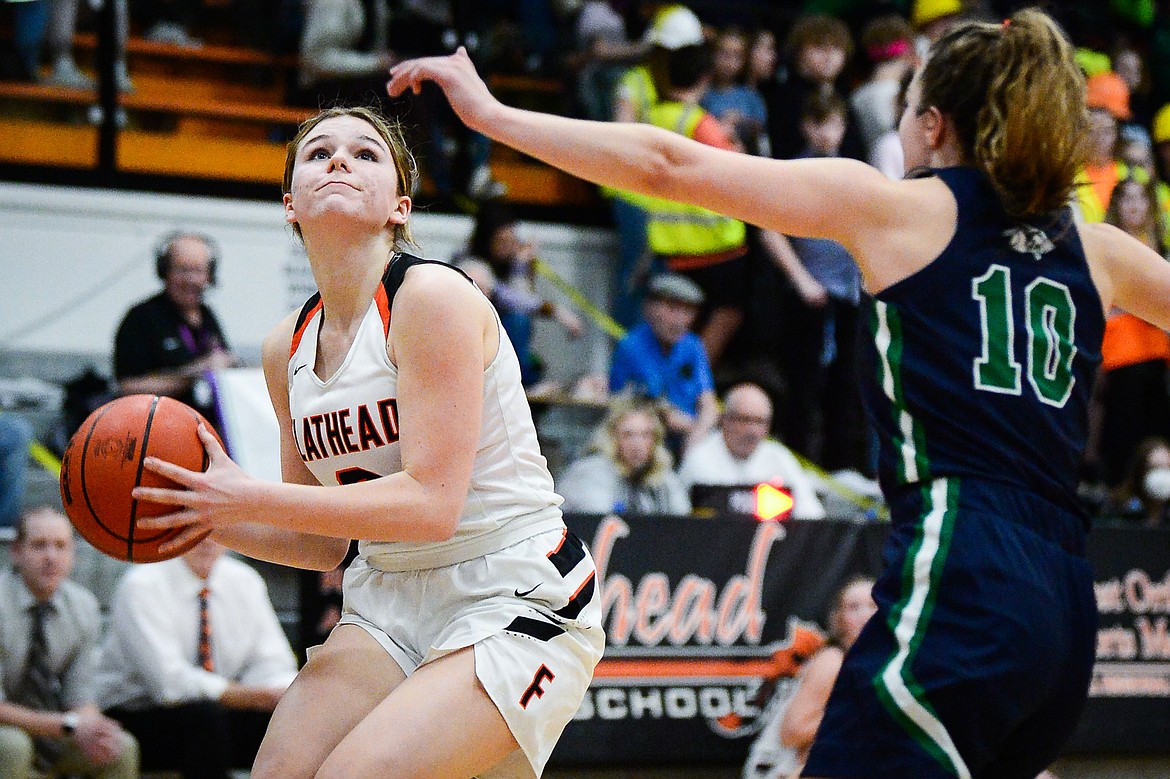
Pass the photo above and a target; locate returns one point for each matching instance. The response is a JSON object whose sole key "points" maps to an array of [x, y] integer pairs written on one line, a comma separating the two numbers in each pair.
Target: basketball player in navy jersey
{"points": [[471, 618], [987, 318]]}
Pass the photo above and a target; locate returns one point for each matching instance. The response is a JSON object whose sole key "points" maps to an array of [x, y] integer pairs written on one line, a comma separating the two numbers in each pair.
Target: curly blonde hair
{"points": [[1017, 100]]}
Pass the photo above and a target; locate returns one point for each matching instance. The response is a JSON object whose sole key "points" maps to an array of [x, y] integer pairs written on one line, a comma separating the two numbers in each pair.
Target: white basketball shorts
{"points": [[532, 612]]}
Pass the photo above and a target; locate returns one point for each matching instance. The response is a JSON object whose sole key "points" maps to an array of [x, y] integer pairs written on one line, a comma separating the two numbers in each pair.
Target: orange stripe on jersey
{"points": [[302, 324], [383, 303]]}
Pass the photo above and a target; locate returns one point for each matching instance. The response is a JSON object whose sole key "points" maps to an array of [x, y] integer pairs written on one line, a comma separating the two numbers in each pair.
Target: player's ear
{"points": [[289, 215], [401, 212], [936, 127]]}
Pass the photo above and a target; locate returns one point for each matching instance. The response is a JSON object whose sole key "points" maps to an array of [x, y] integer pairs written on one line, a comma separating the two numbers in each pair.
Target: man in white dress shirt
{"points": [[195, 684], [738, 454]]}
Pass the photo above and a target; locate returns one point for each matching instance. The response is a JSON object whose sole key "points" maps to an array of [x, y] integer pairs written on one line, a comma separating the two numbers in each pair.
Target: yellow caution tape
{"points": [[45, 458], [600, 318]]}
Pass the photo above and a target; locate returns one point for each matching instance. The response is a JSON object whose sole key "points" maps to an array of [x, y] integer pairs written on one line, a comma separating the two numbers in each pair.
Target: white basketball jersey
{"points": [[346, 427]]}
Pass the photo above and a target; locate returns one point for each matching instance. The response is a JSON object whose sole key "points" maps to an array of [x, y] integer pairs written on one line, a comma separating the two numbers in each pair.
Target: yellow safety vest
{"points": [[675, 229]]}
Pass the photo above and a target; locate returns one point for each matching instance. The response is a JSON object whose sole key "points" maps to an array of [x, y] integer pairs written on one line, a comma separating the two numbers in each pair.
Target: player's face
{"points": [[44, 557], [635, 439], [344, 170]]}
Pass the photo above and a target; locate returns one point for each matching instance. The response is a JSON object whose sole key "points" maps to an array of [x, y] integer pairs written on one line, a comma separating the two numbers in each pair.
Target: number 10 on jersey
{"points": [[1049, 316]]}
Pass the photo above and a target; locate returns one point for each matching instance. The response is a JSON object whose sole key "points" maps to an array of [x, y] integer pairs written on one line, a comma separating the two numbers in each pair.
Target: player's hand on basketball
{"points": [[455, 75], [207, 499]]}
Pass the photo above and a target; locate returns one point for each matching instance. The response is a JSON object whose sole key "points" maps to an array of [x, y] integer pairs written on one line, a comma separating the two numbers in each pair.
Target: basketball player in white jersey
{"points": [[471, 623]]}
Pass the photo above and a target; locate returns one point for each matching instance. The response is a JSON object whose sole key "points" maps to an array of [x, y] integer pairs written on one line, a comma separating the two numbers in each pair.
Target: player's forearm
{"points": [[284, 547]]}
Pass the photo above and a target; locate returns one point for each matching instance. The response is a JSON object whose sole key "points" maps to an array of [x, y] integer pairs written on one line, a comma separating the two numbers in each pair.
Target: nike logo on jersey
{"points": [[297, 369], [525, 593]]}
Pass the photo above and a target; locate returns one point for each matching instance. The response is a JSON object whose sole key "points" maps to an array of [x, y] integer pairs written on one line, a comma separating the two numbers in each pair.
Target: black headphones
{"points": [[162, 252]]}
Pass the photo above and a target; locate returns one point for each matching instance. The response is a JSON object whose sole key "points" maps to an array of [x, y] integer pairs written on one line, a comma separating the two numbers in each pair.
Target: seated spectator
{"points": [[169, 21], [344, 54], [629, 470], [29, 20], [49, 631], [62, 26], [497, 241], [852, 608], [737, 454], [194, 662], [15, 436], [663, 360], [167, 345], [1144, 495]]}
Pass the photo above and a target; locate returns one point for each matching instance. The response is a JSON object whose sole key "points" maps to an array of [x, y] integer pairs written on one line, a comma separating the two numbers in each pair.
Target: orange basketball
{"points": [[103, 463]]}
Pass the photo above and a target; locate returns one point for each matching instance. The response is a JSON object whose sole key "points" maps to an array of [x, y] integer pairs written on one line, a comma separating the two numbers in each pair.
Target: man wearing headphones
{"points": [[169, 343]]}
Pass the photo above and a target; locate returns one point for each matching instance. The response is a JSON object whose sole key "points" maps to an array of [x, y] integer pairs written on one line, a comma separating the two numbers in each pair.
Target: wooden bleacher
{"points": [[218, 112]]}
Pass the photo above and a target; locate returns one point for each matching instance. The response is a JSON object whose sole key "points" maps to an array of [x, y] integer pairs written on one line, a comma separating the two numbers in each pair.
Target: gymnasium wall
{"points": [[73, 260]]}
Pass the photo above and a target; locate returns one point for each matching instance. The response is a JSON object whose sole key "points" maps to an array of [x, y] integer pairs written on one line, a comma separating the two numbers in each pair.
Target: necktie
{"points": [[205, 661], [40, 688]]}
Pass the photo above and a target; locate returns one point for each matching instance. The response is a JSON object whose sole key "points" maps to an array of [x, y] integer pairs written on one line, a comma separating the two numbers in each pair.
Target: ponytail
{"points": [[1017, 100]]}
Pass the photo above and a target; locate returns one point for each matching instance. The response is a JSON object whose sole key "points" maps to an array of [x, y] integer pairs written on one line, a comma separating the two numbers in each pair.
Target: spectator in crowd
{"points": [[15, 436], [852, 608], [344, 53], [62, 26], [169, 21], [887, 155], [932, 19], [818, 353], [49, 631], [760, 69], [1108, 104], [194, 662], [604, 53], [888, 45], [496, 239], [30, 21], [818, 47], [663, 360], [629, 470], [738, 454], [169, 343], [1135, 355], [739, 107], [1144, 495], [712, 250], [672, 27]]}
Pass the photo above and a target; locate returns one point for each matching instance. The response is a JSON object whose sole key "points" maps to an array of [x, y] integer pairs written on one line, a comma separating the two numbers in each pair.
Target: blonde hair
{"points": [[390, 131], [604, 440], [1017, 100]]}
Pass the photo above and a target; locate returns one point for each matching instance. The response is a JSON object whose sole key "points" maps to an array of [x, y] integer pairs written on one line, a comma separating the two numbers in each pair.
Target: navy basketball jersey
{"points": [[981, 364]]}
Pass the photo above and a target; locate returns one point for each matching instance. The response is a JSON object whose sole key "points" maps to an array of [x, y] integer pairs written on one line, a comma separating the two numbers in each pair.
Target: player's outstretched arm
{"points": [[826, 198]]}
